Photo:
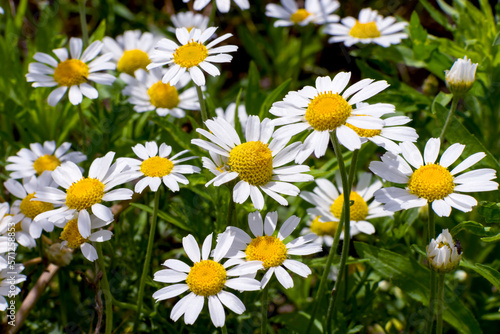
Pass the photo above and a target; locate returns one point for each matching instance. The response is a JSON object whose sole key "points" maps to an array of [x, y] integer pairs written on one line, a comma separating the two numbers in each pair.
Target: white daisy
{"points": [[35, 161], [270, 249], [222, 5], [85, 193], [71, 73], [368, 28], [461, 76], [206, 279], [325, 108], [9, 277], [229, 114], [1, 11], [192, 55], [256, 163], [147, 92], [431, 181], [154, 166], [315, 11], [10, 223], [189, 20], [442, 253]]}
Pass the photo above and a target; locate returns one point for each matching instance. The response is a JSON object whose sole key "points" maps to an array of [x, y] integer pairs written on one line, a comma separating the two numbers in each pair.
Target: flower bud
{"points": [[443, 254], [461, 76], [58, 255]]}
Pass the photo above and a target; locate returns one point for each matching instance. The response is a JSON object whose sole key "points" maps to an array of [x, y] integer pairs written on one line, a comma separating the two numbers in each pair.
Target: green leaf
{"points": [[273, 97], [252, 95], [436, 14], [492, 275], [471, 227], [99, 32], [253, 49], [490, 211], [163, 215], [491, 239]]}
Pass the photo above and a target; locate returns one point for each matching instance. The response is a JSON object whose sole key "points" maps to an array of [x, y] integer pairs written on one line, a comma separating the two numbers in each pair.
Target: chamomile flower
{"points": [[257, 164], [442, 253], [9, 277], [229, 114], [206, 279], [461, 76], [325, 108], [222, 5], [270, 248], [329, 200], [189, 20], [370, 27], [85, 194], [154, 166], [430, 181], [12, 223], [38, 158], [314, 11], [147, 92], [73, 73], [192, 55]]}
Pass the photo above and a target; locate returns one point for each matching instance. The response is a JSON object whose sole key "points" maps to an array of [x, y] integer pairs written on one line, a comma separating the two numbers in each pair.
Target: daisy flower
{"points": [[206, 279], [71, 73], [85, 194], [229, 114], [461, 76], [9, 277], [314, 11], [257, 164], [192, 55], [429, 181], [222, 5], [189, 20], [11, 223], [442, 253], [325, 108], [368, 28], [38, 159], [329, 201], [271, 249], [154, 166]]}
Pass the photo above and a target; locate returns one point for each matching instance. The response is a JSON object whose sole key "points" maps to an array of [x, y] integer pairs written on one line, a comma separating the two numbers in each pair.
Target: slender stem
{"points": [[203, 107], [147, 261], [453, 107], [432, 296], [440, 304], [352, 169], [83, 22], [108, 298], [264, 310], [230, 210], [223, 329], [84, 127], [211, 19], [432, 226]]}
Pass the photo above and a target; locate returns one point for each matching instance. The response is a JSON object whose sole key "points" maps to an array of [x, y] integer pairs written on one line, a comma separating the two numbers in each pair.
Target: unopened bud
{"points": [[443, 254]]}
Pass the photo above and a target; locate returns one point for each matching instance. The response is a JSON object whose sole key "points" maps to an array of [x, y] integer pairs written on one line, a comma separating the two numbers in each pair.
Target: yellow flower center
{"points": [[359, 210], [327, 111], [31, 209], [133, 60], [46, 162], [18, 227], [206, 278], [71, 72], [299, 16], [71, 234], [323, 228], [253, 161], [84, 193], [190, 55], [156, 167], [163, 95], [431, 182], [268, 249], [364, 132], [365, 30]]}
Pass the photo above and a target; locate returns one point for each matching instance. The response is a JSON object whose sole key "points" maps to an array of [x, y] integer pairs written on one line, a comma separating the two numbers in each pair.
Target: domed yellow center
{"points": [[431, 182], [71, 234], [206, 278], [190, 55], [299, 16], [268, 249], [71, 72], [163, 95], [323, 228], [327, 111], [46, 162], [156, 167], [253, 161], [365, 30], [31, 209], [359, 209], [367, 133], [84, 193], [133, 60]]}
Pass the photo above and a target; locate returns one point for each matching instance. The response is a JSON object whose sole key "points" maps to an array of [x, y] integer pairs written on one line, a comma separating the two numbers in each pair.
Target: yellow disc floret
{"points": [[190, 55], [324, 228], [206, 278], [268, 249], [156, 167], [299, 16], [84, 193], [365, 30], [163, 95], [253, 161], [431, 182], [359, 209], [327, 111], [31, 209], [71, 234], [71, 72], [46, 162], [133, 60], [367, 133]]}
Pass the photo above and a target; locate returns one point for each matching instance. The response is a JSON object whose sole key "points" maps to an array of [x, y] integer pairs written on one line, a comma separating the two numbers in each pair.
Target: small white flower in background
{"points": [[229, 114], [1, 11], [37, 159], [10, 223], [192, 55], [206, 279], [154, 166], [258, 164], [189, 20], [147, 92], [442, 253], [368, 28], [429, 181], [461, 76], [8, 278], [314, 11], [222, 5], [270, 249], [73, 73]]}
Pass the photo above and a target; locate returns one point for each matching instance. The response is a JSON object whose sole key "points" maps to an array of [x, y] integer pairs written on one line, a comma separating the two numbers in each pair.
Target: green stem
{"points": [[230, 210], [264, 305], [440, 304], [84, 127], [108, 298], [203, 107], [211, 19], [432, 296], [83, 22], [432, 226], [453, 107], [224, 329]]}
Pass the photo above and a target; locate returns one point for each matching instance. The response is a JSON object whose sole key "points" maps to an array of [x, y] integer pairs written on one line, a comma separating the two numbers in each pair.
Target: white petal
{"points": [[216, 311], [283, 277], [170, 291], [288, 227], [191, 248], [231, 302], [431, 150], [297, 267], [207, 247]]}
